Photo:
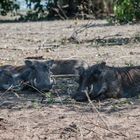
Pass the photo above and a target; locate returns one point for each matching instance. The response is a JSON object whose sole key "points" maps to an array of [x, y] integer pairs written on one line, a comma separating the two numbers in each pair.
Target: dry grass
{"points": [[22, 116]]}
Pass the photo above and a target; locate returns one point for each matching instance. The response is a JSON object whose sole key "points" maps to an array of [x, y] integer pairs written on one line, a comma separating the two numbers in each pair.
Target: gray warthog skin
{"points": [[109, 82], [8, 81], [64, 67], [33, 74]]}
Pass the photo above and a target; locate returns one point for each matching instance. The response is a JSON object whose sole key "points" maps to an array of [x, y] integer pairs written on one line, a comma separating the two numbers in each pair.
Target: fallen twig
{"points": [[74, 37], [94, 108], [35, 57], [65, 76], [107, 129]]}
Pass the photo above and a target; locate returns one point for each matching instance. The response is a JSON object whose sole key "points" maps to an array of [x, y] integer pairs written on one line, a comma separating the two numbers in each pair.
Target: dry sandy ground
{"points": [[23, 117]]}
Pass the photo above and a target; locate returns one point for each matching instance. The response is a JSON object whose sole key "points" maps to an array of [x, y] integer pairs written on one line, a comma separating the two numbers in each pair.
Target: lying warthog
{"points": [[34, 74], [65, 67], [8, 80], [102, 81]]}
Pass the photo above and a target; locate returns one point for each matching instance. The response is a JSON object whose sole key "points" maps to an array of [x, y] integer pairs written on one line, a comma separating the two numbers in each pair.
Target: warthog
{"points": [[33, 74], [64, 67], [102, 81], [8, 80]]}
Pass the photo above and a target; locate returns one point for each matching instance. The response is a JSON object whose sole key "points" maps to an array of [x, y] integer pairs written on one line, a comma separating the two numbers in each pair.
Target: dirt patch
{"points": [[23, 116]]}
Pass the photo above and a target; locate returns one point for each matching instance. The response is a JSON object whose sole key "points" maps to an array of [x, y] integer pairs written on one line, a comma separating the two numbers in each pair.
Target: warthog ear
{"points": [[103, 64], [28, 63]]}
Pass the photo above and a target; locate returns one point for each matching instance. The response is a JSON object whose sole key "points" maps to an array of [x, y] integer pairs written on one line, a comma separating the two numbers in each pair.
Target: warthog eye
{"points": [[97, 72], [33, 67]]}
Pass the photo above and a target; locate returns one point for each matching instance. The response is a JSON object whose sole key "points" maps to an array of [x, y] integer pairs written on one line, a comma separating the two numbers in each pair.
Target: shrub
{"points": [[127, 10]]}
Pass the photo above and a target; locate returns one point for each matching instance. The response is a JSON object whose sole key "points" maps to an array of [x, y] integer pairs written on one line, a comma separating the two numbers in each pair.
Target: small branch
{"points": [[65, 76], [77, 31], [35, 57], [94, 108], [116, 133]]}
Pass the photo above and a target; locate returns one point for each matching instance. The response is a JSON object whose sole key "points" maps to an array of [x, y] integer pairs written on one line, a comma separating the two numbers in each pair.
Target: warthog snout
{"points": [[80, 96], [43, 84]]}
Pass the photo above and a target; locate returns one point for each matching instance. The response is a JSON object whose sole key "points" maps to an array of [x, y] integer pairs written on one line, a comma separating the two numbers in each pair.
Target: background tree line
{"points": [[121, 10]]}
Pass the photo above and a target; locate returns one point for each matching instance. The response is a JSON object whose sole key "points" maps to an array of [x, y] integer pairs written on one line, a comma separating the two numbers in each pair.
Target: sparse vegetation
{"points": [[127, 10], [32, 15], [130, 64], [50, 98]]}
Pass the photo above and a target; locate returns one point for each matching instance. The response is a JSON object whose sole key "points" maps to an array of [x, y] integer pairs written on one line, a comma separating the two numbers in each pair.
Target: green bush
{"points": [[32, 15], [137, 9], [8, 6], [127, 10]]}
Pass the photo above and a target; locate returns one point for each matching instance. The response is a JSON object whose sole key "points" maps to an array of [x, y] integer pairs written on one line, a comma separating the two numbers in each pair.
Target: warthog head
{"points": [[87, 80], [38, 75], [9, 81]]}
